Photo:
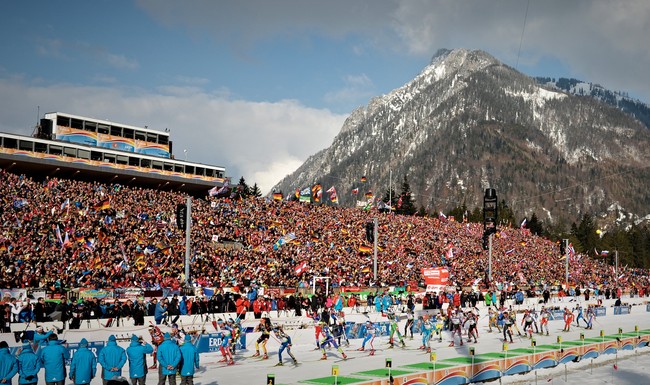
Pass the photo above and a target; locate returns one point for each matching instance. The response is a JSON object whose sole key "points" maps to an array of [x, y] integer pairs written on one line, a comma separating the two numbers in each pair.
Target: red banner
{"points": [[435, 276]]}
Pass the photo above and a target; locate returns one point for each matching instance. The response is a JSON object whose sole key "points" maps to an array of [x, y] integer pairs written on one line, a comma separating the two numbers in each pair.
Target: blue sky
{"points": [[258, 86]]}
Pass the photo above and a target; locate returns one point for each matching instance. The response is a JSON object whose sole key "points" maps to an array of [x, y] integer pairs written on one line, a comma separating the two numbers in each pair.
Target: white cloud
{"points": [[262, 141], [357, 90]]}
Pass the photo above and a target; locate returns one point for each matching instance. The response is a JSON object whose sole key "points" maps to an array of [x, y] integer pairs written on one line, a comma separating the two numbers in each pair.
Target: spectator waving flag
{"points": [[286, 239], [333, 197], [523, 223], [355, 191], [301, 267]]}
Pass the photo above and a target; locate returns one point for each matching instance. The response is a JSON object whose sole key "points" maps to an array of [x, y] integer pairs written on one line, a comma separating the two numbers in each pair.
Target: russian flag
{"points": [[604, 253]]}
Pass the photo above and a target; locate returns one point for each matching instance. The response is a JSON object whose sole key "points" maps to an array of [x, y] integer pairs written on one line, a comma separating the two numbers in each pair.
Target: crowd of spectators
{"points": [[59, 234]]}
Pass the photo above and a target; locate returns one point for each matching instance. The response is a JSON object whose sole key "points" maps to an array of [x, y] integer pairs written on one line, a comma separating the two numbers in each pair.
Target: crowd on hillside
{"points": [[58, 233]]}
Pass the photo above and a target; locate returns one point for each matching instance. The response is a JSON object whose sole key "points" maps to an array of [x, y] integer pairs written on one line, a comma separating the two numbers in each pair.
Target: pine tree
{"points": [[255, 191], [244, 189], [408, 205]]}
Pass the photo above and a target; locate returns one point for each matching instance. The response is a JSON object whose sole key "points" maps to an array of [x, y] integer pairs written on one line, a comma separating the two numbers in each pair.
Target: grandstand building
{"points": [[77, 147]]}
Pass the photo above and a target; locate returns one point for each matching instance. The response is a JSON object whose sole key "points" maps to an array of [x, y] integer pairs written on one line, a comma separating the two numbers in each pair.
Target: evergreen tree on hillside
{"points": [[244, 190], [255, 191], [407, 206]]}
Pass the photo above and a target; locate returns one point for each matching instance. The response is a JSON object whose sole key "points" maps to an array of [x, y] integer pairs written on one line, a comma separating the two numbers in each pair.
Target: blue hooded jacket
{"points": [[169, 355], [137, 354], [41, 338], [112, 356], [28, 365], [53, 358], [160, 312], [190, 357], [83, 366], [8, 365]]}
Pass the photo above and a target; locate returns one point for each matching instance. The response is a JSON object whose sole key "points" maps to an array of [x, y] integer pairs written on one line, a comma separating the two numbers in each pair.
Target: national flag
{"points": [[90, 244], [286, 239], [355, 191], [101, 236], [364, 179], [604, 253], [508, 252], [571, 250], [66, 241], [213, 191], [103, 205], [298, 193], [399, 202], [366, 269], [369, 194], [65, 204], [277, 196], [365, 249], [305, 195], [58, 235], [301, 267], [523, 223], [332, 192], [615, 367], [450, 251], [442, 216], [317, 191]]}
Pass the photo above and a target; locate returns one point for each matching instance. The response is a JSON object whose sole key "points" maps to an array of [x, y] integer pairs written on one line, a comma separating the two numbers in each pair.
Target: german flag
{"points": [[365, 249], [369, 194], [364, 179], [277, 196], [103, 205], [97, 263], [365, 270]]}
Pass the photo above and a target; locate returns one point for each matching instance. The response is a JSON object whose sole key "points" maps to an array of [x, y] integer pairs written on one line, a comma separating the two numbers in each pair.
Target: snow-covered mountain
{"points": [[468, 122]]}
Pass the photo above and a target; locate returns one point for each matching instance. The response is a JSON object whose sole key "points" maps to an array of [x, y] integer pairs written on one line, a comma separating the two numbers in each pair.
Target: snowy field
{"points": [[626, 367]]}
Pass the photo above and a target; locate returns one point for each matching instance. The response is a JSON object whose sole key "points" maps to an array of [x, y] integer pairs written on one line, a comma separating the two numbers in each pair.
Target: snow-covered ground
{"points": [[631, 365]]}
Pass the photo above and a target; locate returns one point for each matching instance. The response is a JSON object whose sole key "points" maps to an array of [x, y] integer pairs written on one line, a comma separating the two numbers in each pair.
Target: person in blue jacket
{"points": [[189, 362], [137, 355], [8, 364], [53, 358], [83, 366], [40, 336], [169, 357], [160, 314], [112, 358], [28, 365]]}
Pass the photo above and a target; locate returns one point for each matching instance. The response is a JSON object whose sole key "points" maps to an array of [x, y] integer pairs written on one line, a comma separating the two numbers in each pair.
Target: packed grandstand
{"points": [[61, 234]]}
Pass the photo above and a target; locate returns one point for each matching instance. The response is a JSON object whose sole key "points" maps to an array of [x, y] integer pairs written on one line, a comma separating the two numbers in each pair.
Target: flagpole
{"points": [[188, 228], [374, 262], [566, 263]]}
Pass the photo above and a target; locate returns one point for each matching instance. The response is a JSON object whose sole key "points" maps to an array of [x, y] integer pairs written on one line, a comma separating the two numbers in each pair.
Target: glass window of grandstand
{"points": [[40, 147], [77, 123], [26, 145], [152, 138], [83, 154], [103, 129], [95, 155], [110, 158], [157, 165], [162, 139], [116, 131], [90, 126], [209, 172], [168, 167], [56, 150], [179, 168], [10, 143], [67, 151], [199, 171], [145, 163], [189, 169], [128, 133], [122, 159], [139, 135], [134, 161], [63, 121]]}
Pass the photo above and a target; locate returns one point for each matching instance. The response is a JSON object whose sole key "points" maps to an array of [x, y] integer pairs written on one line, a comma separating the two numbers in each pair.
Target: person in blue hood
{"points": [[41, 337], [83, 366], [28, 365], [189, 361], [137, 355], [8, 364], [112, 358], [169, 356], [53, 358]]}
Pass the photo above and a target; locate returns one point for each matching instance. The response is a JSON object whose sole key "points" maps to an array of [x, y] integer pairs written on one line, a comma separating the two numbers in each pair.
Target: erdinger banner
{"points": [[436, 278]]}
